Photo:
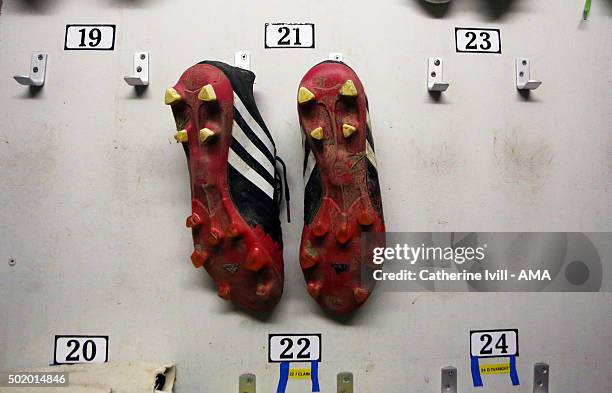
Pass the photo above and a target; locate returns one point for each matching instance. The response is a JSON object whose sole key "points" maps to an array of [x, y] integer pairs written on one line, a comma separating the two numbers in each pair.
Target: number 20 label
{"points": [[478, 40], [80, 349], [90, 37], [289, 35], [294, 347], [494, 343]]}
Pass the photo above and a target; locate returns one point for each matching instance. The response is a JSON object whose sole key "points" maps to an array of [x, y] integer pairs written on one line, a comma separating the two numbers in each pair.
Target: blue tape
{"points": [[476, 378], [314, 375], [513, 373], [284, 377]]}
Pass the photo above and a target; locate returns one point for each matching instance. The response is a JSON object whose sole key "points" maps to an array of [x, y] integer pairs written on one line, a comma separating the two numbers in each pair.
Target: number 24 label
{"points": [[294, 347], [90, 37], [494, 343], [478, 40]]}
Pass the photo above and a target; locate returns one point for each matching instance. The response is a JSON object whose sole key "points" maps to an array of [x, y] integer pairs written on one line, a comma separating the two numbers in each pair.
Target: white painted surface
{"points": [[94, 191]]}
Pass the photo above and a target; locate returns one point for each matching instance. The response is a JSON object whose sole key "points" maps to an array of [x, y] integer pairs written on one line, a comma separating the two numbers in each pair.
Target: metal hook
{"points": [[523, 75], [140, 74], [38, 69], [435, 75]]}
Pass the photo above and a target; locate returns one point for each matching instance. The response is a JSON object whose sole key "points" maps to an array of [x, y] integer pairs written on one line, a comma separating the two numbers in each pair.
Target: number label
{"points": [[478, 40], [289, 35], [80, 349], [294, 348], [90, 37], [494, 343]]}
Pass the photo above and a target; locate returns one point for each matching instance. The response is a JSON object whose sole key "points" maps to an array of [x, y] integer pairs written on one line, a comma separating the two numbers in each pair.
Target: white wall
{"points": [[94, 192]]}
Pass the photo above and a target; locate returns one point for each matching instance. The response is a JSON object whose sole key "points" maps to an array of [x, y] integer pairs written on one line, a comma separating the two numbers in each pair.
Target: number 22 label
{"points": [[294, 347]]}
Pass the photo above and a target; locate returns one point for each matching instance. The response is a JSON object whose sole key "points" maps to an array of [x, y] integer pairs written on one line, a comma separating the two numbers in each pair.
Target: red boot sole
{"points": [[333, 116], [245, 263]]}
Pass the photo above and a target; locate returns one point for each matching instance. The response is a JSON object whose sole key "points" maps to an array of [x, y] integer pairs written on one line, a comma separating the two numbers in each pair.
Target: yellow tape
{"points": [[500, 368], [299, 373]]}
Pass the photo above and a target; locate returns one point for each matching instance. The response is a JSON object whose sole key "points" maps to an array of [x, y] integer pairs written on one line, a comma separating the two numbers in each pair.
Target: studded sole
{"points": [[245, 263], [333, 117]]}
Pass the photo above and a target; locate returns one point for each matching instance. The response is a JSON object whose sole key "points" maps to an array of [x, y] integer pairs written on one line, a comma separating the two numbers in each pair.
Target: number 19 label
{"points": [[90, 37], [478, 40], [494, 343], [294, 348]]}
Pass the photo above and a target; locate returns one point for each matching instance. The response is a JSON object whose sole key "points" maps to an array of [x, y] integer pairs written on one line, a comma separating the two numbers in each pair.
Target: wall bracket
{"points": [[523, 75], [246, 383], [448, 380], [140, 74], [242, 60], [435, 75], [38, 70], [540, 378], [345, 382]]}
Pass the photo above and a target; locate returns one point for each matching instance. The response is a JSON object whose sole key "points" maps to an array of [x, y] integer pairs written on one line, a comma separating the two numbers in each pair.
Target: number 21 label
{"points": [[289, 35], [478, 40], [494, 343], [90, 37], [294, 348]]}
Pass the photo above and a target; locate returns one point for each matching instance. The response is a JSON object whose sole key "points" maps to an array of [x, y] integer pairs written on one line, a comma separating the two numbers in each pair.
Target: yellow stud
{"points": [[348, 89], [205, 133], [317, 133], [181, 136], [305, 95], [172, 96], [348, 130], [207, 94]]}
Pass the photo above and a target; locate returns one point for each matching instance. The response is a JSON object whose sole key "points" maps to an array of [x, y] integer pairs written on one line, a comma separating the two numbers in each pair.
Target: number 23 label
{"points": [[494, 343], [478, 40], [294, 347]]}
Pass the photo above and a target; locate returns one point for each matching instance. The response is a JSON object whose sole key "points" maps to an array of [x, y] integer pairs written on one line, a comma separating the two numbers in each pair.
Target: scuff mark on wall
{"points": [[521, 161]]}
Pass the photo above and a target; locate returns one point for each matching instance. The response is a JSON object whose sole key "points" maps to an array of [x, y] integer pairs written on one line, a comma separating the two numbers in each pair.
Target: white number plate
{"points": [[80, 349], [494, 343], [478, 40], [294, 348], [289, 35], [90, 37]]}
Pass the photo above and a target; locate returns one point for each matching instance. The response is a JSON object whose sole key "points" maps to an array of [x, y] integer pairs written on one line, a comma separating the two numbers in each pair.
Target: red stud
{"points": [[314, 289], [234, 231], [224, 291], [263, 291], [198, 258], [320, 229], [194, 221], [215, 236], [308, 260], [365, 218], [255, 260], [343, 235], [361, 295]]}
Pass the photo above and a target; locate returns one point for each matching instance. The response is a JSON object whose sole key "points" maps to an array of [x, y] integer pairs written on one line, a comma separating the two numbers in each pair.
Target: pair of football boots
{"points": [[236, 187]]}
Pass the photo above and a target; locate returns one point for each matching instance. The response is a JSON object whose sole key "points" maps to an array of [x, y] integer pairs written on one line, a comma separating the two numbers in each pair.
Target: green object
{"points": [[587, 9]]}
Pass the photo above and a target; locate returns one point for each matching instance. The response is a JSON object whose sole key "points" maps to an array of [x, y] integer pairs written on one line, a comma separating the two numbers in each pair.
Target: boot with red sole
{"points": [[235, 186], [342, 198]]}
